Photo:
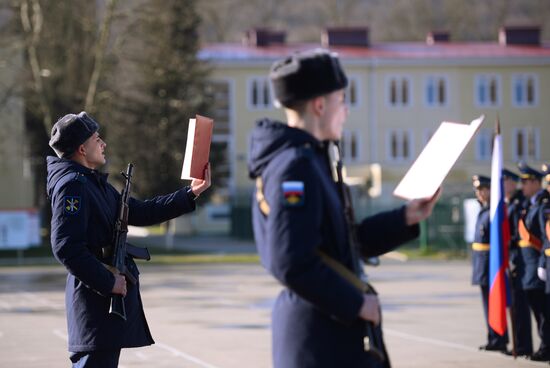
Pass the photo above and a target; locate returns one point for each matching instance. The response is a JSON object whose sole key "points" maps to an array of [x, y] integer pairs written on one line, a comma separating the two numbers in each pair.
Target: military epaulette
{"points": [[76, 176], [80, 177], [306, 150], [67, 178], [544, 197]]}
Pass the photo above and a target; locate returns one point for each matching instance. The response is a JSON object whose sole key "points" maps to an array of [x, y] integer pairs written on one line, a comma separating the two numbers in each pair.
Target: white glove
{"points": [[541, 272]]}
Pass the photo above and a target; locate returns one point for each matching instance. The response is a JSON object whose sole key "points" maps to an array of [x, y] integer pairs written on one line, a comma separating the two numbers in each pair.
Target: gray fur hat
{"points": [[69, 132]]}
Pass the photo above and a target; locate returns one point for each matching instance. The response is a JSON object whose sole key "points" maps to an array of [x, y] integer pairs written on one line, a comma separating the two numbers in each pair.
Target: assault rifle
{"points": [[373, 340], [120, 249]]}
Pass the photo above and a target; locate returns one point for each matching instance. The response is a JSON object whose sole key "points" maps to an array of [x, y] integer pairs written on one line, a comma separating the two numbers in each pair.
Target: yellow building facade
{"points": [[398, 95]]}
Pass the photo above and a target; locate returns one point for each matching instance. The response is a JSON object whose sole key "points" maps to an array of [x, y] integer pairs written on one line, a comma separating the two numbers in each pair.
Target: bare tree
{"points": [[99, 55], [32, 21]]}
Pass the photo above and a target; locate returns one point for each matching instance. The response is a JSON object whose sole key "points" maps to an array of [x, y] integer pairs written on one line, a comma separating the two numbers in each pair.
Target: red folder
{"points": [[197, 150]]}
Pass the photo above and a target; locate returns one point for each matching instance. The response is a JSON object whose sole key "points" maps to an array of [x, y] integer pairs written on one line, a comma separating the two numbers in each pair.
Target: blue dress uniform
{"points": [[530, 228], [545, 218], [521, 313], [545, 256], [480, 264], [315, 319]]}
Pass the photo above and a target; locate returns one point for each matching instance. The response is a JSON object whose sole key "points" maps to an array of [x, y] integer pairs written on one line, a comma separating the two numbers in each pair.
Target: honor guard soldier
{"points": [[531, 232], [300, 228], [84, 210], [480, 258], [522, 316], [544, 265]]}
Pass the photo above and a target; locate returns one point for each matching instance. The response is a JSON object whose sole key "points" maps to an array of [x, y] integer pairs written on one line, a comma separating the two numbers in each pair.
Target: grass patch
{"points": [[170, 259], [433, 254], [43, 256], [40, 251]]}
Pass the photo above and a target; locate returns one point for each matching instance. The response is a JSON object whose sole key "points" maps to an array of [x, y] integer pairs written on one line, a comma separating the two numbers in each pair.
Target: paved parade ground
{"points": [[218, 315]]}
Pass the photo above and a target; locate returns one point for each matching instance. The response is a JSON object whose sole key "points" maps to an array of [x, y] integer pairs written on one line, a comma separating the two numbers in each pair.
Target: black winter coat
{"points": [[531, 256], [84, 209], [315, 319]]}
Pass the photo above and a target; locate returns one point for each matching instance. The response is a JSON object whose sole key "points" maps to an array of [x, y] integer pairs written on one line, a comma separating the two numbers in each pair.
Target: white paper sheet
{"points": [[437, 158]]}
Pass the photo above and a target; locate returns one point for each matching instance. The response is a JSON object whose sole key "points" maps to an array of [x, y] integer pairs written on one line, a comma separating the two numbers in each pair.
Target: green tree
{"points": [[166, 88]]}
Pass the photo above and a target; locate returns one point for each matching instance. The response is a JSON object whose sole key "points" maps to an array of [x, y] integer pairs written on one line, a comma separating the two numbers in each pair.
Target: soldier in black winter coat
{"points": [[298, 215], [84, 210], [522, 316], [531, 232]]}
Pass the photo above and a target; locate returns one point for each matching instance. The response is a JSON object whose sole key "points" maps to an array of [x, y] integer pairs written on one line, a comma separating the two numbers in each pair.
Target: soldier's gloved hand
{"points": [[541, 272], [120, 285], [198, 186], [370, 310], [420, 209]]}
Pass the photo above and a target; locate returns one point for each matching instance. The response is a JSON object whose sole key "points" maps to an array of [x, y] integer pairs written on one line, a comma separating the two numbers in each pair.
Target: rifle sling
{"points": [[346, 273]]}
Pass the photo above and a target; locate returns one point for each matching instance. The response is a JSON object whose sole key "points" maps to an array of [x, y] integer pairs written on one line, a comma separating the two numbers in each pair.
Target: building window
{"points": [[220, 92], [525, 90], [484, 144], [436, 91], [399, 145], [526, 144], [487, 90], [259, 93], [350, 146], [399, 91], [353, 95]]}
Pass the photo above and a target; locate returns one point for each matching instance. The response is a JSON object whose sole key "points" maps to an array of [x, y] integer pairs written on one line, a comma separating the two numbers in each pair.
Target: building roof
{"points": [[396, 51]]}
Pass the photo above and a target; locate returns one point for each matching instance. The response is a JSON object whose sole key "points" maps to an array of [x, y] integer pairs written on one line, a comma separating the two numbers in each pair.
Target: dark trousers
{"points": [[539, 302], [96, 359], [522, 319], [493, 338]]}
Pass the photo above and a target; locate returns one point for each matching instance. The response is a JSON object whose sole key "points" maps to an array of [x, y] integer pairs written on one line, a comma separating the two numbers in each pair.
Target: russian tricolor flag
{"points": [[500, 236]]}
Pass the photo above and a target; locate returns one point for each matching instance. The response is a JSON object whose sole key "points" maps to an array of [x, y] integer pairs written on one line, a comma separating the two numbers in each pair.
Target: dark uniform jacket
{"points": [[480, 258], [84, 209], [545, 256], [514, 208], [315, 318], [530, 254]]}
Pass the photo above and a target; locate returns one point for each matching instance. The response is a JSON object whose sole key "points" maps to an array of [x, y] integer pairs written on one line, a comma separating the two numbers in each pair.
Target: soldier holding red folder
{"points": [[84, 211]]}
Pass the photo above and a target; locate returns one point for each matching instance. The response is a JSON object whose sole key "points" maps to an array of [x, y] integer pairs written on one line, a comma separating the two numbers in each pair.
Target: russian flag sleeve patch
{"points": [[293, 193]]}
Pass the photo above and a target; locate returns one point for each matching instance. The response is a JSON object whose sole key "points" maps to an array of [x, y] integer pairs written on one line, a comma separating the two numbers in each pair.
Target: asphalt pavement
{"points": [[218, 316]]}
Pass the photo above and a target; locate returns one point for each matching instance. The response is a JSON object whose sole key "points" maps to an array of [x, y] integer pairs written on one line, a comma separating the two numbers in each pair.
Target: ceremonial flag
{"points": [[500, 236]]}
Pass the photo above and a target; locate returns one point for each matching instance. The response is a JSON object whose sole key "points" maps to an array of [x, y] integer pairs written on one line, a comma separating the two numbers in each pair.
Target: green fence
{"points": [[444, 230]]}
